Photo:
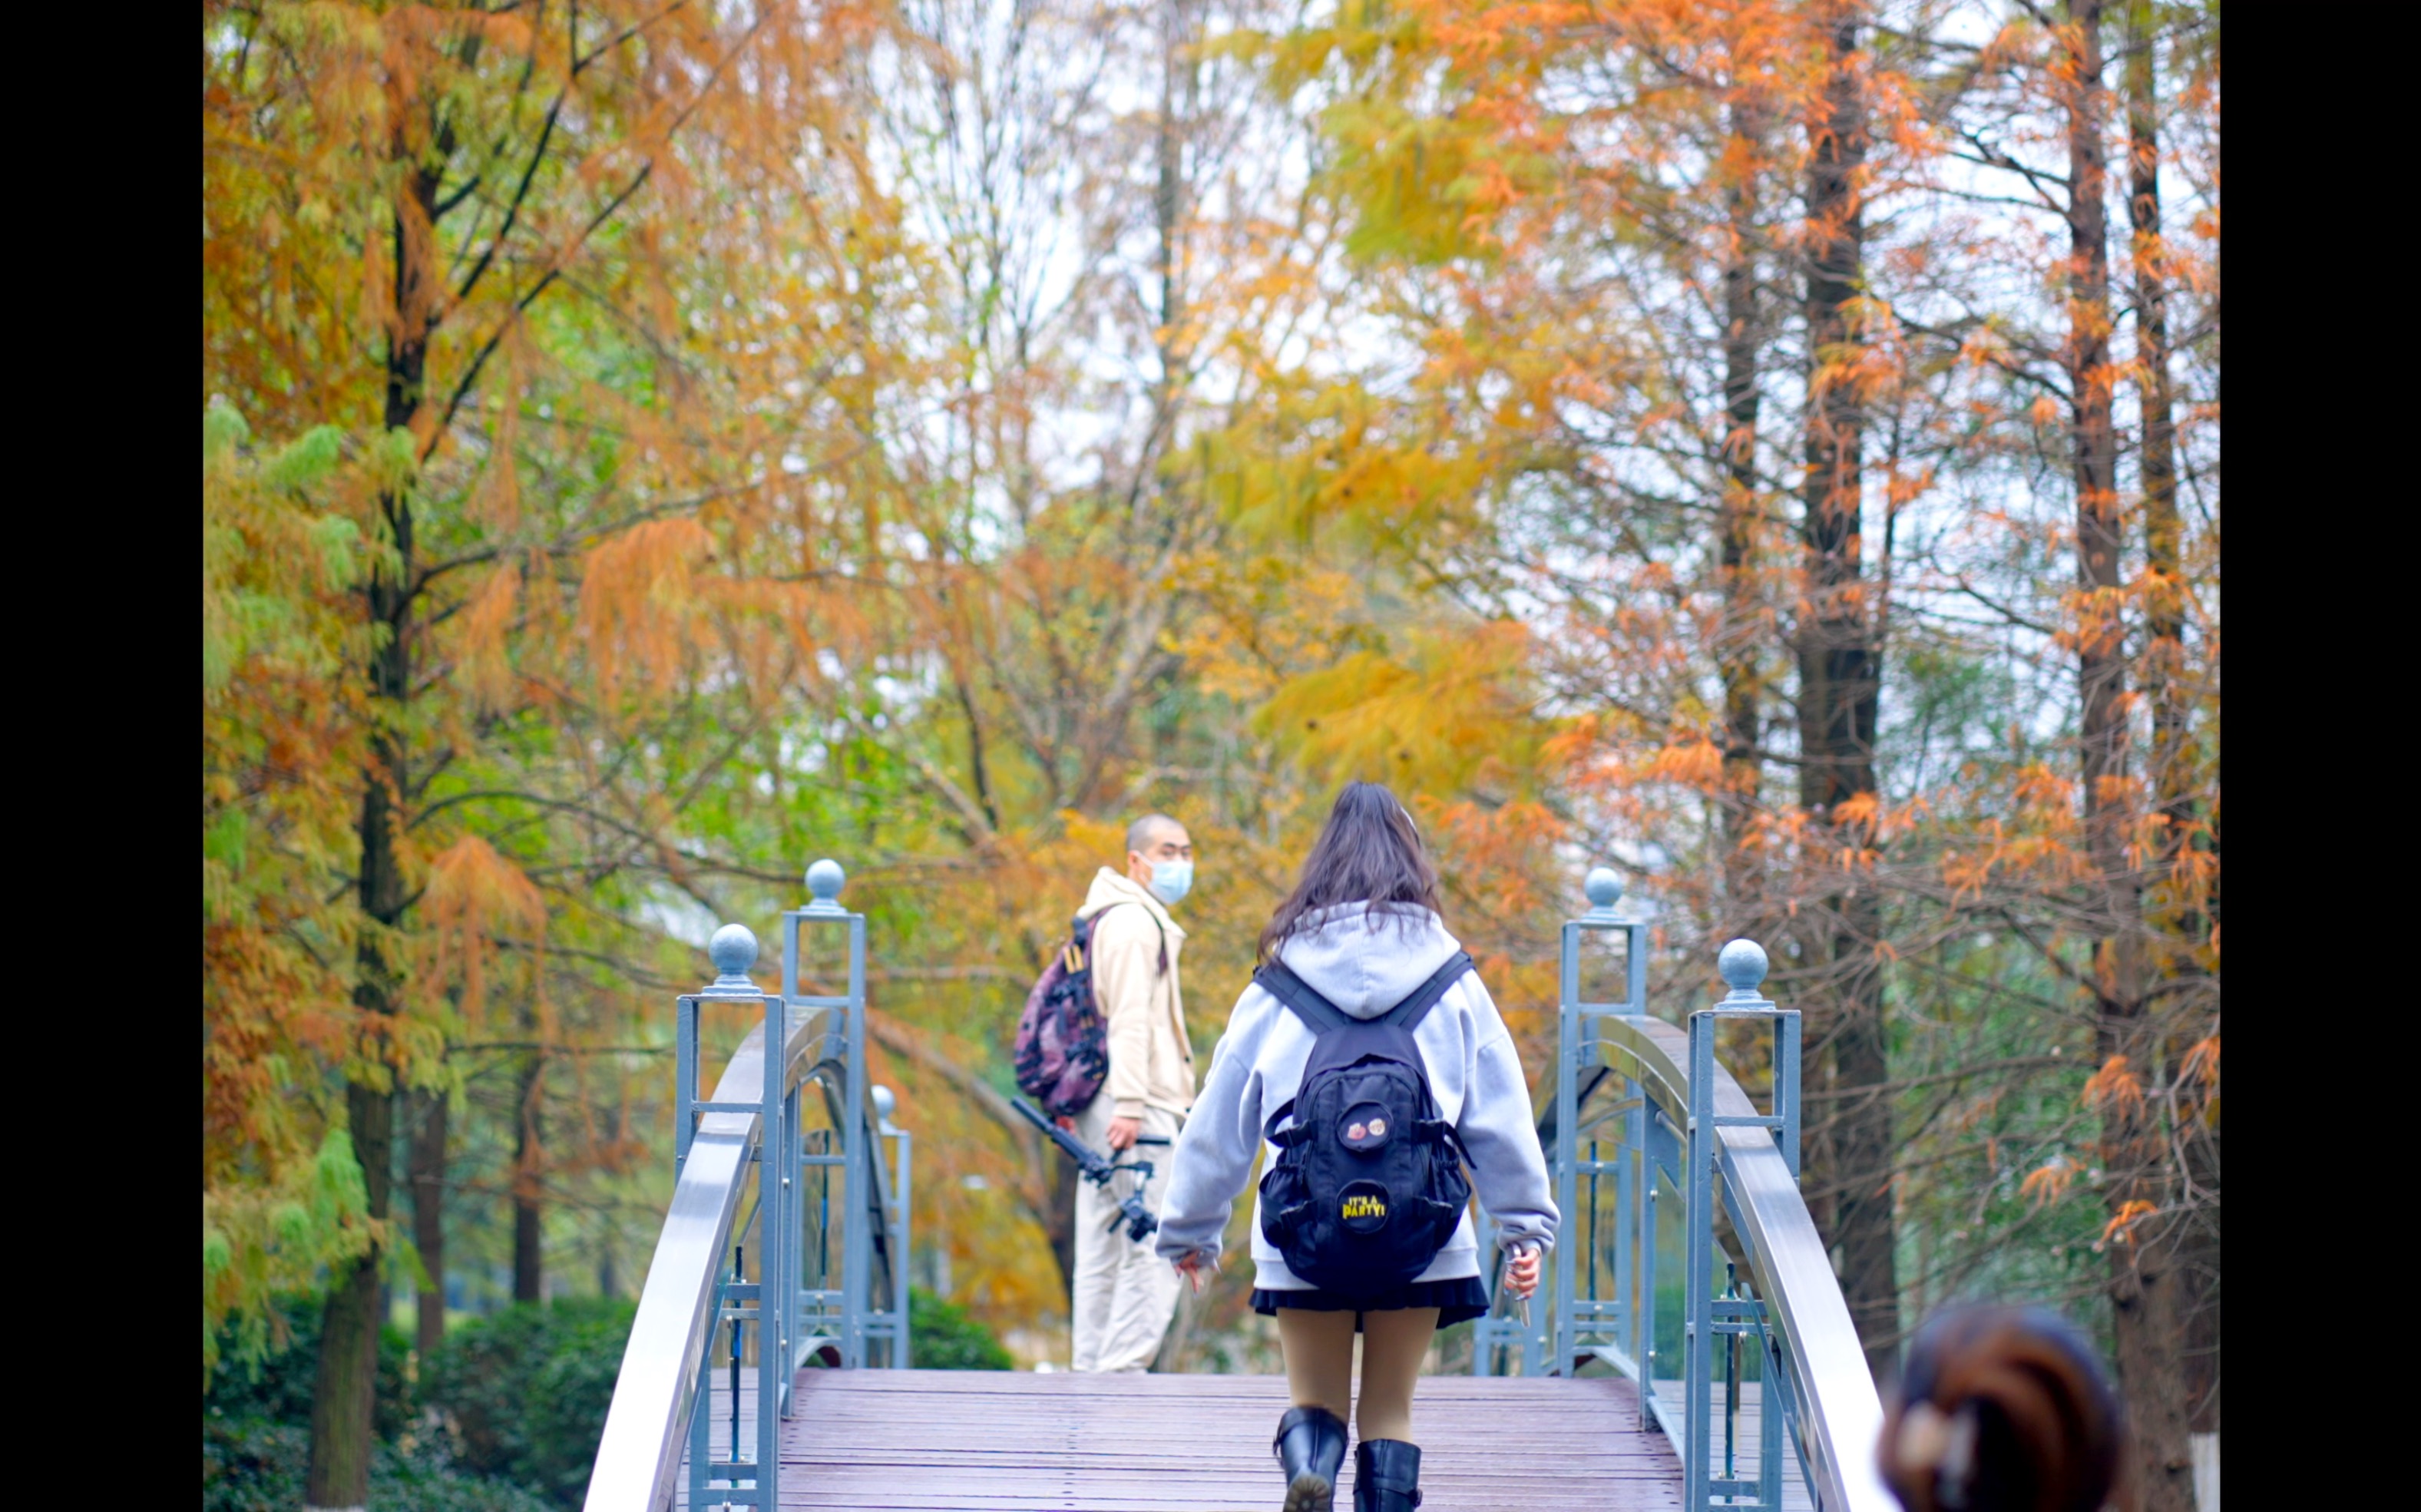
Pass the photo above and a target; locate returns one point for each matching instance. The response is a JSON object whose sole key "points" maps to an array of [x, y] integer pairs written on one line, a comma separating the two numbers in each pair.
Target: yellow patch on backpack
{"points": [[1365, 1205]]}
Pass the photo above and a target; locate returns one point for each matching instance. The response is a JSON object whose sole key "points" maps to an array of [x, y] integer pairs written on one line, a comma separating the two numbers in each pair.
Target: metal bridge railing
{"points": [[1663, 1162], [750, 1143]]}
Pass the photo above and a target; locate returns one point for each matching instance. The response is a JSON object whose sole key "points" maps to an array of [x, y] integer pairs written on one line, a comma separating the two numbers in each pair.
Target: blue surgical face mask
{"points": [[1171, 881]]}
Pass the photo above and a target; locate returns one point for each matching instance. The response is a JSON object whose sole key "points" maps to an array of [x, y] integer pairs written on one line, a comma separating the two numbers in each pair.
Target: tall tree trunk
{"points": [[2147, 1311], [344, 1392], [341, 1410], [2194, 1244], [528, 1210], [2100, 624], [342, 1402], [1840, 676], [1738, 643], [429, 1136], [2165, 601]]}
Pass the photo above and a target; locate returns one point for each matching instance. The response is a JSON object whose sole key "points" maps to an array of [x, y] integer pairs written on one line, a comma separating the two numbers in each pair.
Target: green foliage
{"points": [[525, 1390], [258, 1464], [271, 1380], [521, 1396], [283, 1199], [266, 551], [943, 1337], [280, 1242]]}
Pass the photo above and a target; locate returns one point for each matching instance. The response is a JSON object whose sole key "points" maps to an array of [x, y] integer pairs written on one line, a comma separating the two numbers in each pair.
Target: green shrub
{"points": [[940, 1336], [525, 1390], [278, 1388], [260, 1465]]}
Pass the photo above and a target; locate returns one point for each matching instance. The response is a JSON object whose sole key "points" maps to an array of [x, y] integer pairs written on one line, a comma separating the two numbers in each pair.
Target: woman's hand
{"points": [[1521, 1272], [1189, 1266]]}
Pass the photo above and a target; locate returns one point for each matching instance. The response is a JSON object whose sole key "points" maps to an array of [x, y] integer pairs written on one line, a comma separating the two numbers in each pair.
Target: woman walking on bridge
{"points": [[1370, 1063]]}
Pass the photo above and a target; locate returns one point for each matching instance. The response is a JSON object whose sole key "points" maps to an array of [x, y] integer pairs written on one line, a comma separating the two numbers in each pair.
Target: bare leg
{"points": [[1394, 1343], [1319, 1357]]}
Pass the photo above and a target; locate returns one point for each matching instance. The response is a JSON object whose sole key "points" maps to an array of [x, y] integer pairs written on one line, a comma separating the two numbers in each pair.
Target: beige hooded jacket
{"points": [[1151, 1060]]}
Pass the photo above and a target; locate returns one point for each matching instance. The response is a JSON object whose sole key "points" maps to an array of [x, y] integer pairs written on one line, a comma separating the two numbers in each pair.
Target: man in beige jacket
{"points": [[1124, 1292]]}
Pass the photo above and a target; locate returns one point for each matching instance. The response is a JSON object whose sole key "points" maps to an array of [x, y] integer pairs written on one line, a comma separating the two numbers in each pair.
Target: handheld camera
{"points": [[1099, 1169]]}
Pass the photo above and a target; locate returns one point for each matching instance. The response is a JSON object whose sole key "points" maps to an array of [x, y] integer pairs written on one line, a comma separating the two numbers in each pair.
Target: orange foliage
{"points": [[2123, 1223], [641, 602], [475, 896], [2115, 1089], [2048, 1182]]}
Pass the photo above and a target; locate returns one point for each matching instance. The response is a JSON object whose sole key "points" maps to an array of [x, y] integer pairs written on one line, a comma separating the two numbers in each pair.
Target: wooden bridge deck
{"points": [[1745, 1428], [973, 1440]]}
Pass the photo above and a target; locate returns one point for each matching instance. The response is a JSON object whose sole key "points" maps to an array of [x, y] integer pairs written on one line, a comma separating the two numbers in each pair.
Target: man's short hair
{"points": [[1139, 832]]}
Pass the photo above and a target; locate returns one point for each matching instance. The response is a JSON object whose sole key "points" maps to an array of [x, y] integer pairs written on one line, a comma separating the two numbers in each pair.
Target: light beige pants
{"points": [[1125, 1293]]}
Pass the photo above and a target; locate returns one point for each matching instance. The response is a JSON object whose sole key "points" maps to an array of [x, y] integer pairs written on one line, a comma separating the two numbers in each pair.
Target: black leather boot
{"points": [[1310, 1447], [1386, 1475]]}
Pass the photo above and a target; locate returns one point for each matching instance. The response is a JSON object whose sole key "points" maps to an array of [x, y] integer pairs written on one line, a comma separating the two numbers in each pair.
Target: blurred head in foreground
{"points": [[2002, 1410]]}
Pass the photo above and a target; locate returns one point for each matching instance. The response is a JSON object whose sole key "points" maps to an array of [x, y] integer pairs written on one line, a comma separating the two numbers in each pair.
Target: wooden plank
{"points": [[1000, 1442]]}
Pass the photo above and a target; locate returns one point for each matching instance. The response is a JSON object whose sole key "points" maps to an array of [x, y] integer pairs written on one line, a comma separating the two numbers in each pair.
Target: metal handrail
{"points": [[752, 1122], [1721, 1155], [1832, 1393], [647, 1428]]}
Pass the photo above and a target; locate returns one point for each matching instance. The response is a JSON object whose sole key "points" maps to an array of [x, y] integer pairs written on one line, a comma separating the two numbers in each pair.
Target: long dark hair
{"points": [[2002, 1410], [1367, 852]]}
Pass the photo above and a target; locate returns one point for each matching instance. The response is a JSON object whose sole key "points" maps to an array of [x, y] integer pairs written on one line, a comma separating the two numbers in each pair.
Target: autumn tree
{"points": [[1548, 212], [2131, 870], [2187, 830], [647, 449], [438, 229]]}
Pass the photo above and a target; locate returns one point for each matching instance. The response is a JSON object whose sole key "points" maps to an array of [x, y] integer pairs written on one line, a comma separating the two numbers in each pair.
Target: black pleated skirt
{"points": [[1456, 1301]]}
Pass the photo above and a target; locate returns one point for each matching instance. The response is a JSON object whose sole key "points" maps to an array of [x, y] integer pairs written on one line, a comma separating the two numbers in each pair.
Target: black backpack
{"points": [[1369, 1182]]}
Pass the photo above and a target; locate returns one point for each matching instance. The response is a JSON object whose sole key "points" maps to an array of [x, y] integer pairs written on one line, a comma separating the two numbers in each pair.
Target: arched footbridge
{"points": [[1691, 1348]]}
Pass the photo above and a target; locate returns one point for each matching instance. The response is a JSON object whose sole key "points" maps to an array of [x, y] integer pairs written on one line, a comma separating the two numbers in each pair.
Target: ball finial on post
{"points": [[1742, 964], [825, 879], [1603, 887], [733, 950]]}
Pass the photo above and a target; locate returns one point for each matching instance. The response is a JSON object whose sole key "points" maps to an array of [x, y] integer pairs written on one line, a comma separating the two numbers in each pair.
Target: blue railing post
{"points": [[1572, 1313], [824, 881], [776, 1249], [794, 1207], [1643, 1258], [739, 1304], [685, 1072], [895, 1325], [1742, 964], [1698, 1324]]}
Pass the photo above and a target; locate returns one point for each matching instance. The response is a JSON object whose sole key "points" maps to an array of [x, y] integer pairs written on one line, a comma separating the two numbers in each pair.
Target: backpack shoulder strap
{"points": [[1095, 923], [1408, 1014], [1292, 991]]}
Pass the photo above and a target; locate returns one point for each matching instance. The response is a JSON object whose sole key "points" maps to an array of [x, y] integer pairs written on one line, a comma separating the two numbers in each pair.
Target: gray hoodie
{"points": [[1473, 1069]]}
